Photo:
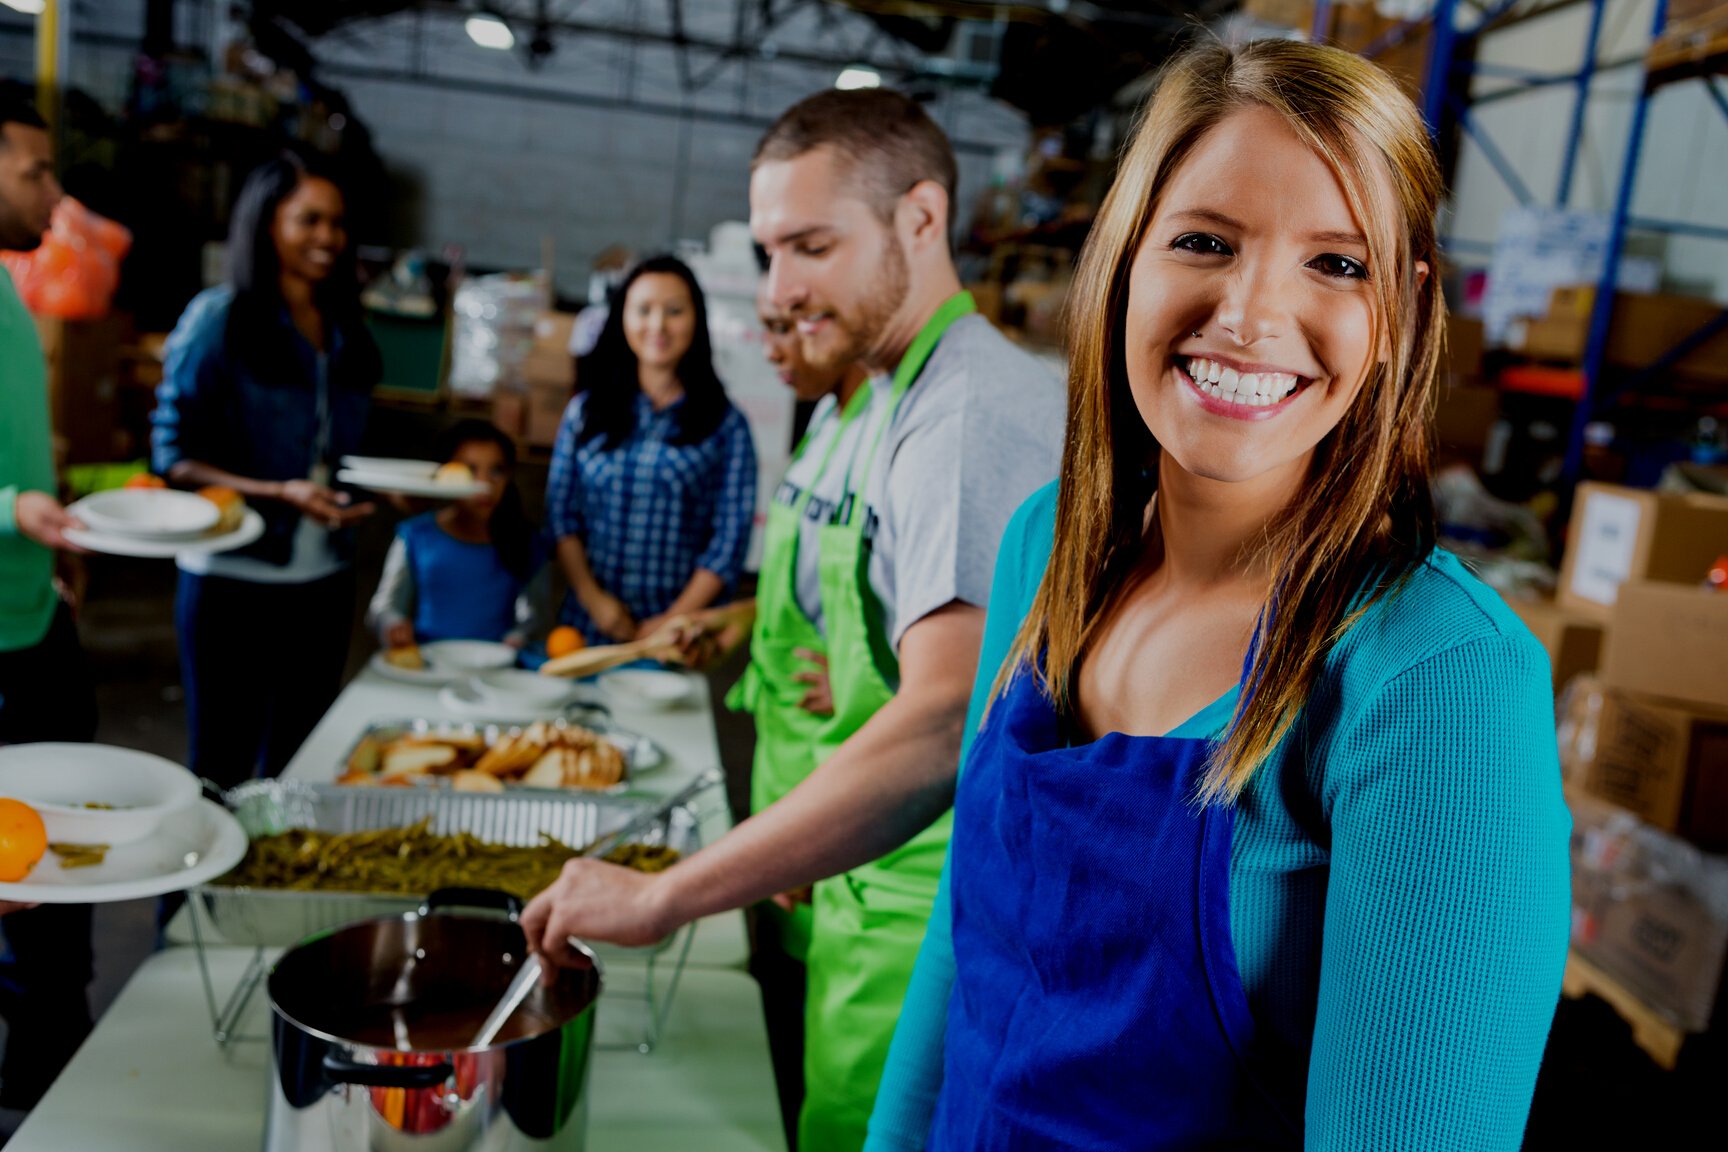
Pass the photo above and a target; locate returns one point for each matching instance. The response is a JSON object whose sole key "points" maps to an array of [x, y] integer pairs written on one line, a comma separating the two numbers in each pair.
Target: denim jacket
{"points": [[258, 419]]}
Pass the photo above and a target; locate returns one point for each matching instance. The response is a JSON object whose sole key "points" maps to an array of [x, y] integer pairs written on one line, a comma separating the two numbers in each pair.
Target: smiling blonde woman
{"points": [[1259, 840]]}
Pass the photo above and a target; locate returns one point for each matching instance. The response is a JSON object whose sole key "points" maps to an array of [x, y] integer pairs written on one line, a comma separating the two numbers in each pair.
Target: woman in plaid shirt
{"points": [[653, 483]]}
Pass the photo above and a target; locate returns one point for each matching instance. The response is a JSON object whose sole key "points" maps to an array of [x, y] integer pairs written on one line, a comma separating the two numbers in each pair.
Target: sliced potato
{"points": [[469, 780], [364, 758], [549, 770], [416, 759]]}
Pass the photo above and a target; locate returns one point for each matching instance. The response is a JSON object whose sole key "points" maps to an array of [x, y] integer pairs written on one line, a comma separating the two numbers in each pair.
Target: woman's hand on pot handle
{"points": [[593, 900]]}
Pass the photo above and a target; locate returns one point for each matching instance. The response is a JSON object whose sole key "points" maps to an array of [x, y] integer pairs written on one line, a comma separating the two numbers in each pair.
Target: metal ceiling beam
{"points": [[934, 68], [693, 112]]}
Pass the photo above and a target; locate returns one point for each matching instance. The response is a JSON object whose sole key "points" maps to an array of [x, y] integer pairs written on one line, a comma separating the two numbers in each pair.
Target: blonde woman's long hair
{"points": [[1365, 519]]}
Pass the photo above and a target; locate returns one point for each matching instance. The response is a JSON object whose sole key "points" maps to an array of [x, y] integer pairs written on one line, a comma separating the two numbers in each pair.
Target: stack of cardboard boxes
{"points": [[1644, 742], [547, 381]]}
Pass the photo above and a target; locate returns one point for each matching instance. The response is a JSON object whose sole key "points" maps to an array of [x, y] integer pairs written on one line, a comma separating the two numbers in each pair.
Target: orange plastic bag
{"points": [[73, 274]]}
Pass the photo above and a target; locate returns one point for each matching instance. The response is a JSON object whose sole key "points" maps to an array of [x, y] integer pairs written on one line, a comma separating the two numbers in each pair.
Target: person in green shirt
{"points": [[45, 687]]}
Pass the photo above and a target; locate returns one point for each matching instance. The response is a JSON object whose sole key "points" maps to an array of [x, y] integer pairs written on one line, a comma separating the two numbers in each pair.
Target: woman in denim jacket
{"points": [[267, 383]]}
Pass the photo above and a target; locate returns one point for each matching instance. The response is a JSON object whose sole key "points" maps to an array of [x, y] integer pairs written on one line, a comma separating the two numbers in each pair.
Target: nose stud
{"points": [[1196, 335]]}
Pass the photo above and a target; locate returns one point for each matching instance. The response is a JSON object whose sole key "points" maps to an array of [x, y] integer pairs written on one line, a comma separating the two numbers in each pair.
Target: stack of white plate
{"points": [[405, 477], [156, 522]]}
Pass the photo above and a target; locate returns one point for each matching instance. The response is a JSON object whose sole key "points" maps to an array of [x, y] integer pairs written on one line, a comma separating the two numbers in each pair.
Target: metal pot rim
{"points": [[423, 912]]}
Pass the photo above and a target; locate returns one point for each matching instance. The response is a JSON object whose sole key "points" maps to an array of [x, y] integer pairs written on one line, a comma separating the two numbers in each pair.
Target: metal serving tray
{"points": [[278, 918], [640, 753]]}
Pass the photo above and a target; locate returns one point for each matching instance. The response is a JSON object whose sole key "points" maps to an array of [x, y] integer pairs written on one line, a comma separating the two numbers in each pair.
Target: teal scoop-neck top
{"points": [[1399, 874]]}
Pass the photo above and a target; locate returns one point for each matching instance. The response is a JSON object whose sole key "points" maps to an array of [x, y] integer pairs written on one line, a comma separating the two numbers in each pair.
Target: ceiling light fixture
{"points": [[28, 7], [858, 76], [489, 31]]}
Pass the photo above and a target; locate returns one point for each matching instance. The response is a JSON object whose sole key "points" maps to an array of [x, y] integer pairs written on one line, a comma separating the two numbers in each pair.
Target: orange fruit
{"points": [[145, 480], [23, 840], [563, 640]]}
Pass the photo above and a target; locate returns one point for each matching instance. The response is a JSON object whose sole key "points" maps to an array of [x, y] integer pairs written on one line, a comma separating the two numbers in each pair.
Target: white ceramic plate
{"points": [[195, 843], [251, 527], [409, 483], [470, 656], [150, 513], [396, 464], [448, 661], [463, 700], [58, 780], [520, 687], [648, 688]]}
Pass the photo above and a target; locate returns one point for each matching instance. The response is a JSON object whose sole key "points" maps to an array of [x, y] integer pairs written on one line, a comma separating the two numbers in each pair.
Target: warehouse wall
{"points": [[1684, 168], [497, 172]]}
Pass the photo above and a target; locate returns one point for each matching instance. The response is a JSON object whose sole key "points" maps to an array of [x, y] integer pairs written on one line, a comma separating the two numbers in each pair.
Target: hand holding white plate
{"points": [[405, 477], [165, 548], [151, 513], [194, 843]]}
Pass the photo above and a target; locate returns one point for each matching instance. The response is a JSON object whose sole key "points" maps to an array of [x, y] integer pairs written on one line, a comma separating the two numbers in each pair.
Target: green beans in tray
{"points": [[414, 860]]}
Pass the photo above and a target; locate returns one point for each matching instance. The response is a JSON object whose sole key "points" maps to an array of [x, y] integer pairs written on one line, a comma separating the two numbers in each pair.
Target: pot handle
{"points": [[460, 897], [340, 1070]]}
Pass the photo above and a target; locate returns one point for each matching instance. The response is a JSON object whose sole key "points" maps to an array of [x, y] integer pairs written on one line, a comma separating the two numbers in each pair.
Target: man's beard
{"points": [[860, 332], [15, 235]]}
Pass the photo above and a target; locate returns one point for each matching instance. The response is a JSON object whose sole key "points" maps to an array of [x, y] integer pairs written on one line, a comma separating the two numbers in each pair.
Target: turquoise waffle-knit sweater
{"points": [[1399, 878]]}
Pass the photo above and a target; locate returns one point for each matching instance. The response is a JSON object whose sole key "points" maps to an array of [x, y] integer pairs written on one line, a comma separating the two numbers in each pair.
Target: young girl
{"points": [[473, 570], [1261, 841]]}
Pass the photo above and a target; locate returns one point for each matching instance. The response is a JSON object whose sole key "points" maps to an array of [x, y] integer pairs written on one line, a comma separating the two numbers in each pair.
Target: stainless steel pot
{"points": [[370, 1028]]}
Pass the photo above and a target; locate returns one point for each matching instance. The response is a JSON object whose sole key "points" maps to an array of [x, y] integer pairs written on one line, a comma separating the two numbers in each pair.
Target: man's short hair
{"points": [[16, 107], [883, 137]]}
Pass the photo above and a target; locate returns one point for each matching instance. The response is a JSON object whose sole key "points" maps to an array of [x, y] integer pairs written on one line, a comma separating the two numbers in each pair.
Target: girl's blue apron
{"points": [[1098, 1003]]}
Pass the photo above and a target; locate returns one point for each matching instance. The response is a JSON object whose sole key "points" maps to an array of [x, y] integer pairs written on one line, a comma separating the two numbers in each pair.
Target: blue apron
{"points": [[1098, 1003]]}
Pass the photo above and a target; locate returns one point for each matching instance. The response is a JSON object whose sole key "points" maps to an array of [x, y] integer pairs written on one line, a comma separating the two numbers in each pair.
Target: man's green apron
{"points": [[786, 734], [869, 922]]}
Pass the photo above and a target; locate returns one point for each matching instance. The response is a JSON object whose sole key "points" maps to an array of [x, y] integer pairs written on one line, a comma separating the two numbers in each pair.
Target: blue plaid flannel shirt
{"points": [[649, 513]]}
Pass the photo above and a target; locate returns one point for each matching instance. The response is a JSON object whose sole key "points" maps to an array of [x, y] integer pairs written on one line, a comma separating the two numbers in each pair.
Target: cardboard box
{"points": [[552, 332], [510, 412], [542, 368], [82, 358], [1573, 642], [1619, 534], [1665, 763], [1463, 419], [546, 404], [1669, 640], [1644, 328], [1650, 909], [1464, 342]]}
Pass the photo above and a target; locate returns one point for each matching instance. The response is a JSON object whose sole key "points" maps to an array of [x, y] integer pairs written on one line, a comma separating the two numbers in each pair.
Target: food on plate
{"points": [[413, 861], [454, 473], [144, 480], [79, 855], [405, 656], [563, 640], [23, 840], [229, 503], [542, 755]]}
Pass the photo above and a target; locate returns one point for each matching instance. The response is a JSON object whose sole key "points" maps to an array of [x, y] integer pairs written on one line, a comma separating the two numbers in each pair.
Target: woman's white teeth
{"points": [[1256, 389]]}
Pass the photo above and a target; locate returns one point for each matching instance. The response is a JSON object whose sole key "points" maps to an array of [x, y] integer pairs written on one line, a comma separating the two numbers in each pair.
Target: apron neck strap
{"points": [[911, 365]]}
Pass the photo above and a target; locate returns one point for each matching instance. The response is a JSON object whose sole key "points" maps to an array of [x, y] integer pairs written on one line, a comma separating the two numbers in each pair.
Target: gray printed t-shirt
{"points": [[978, 432]]}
